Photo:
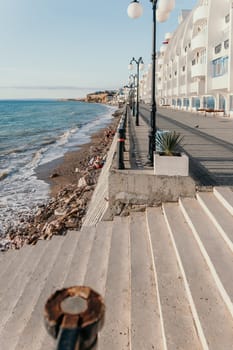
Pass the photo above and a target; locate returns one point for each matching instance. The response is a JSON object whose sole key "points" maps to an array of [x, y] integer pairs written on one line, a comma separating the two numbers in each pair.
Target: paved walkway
{"points": [[208, 140]]}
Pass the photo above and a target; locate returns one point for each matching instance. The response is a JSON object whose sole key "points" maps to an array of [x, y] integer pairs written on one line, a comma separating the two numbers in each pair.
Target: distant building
{"points": [[195, 63]]}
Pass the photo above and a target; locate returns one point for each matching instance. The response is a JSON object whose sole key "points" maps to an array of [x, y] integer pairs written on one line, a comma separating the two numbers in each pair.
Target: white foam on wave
{"points": [[22, 192]]}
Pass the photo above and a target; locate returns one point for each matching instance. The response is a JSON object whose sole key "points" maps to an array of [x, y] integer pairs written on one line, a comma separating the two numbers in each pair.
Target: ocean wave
{"points": [[64, 138], [13, 151], [48, 142]]}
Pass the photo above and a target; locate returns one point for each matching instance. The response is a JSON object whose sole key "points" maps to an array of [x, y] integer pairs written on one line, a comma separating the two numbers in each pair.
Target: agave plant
{"points": [[168, 142]]}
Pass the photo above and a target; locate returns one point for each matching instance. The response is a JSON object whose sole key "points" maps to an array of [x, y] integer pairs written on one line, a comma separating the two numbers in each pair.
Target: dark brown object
{"points": [[75, 331]]}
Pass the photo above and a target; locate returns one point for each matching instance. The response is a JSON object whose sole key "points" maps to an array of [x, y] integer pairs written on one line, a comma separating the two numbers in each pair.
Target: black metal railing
{"points": [[121, 139]]}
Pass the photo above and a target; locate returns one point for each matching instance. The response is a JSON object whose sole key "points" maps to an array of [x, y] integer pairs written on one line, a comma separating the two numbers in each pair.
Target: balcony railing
{"points": [[199, 41], [200, 14], [198, 70]]}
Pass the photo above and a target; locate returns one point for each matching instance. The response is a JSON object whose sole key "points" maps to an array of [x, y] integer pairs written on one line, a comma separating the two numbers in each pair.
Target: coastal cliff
{"points": [[95, 97]]}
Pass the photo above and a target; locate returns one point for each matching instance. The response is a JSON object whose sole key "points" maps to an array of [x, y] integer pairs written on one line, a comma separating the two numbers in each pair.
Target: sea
{"points": [[33, 133]]}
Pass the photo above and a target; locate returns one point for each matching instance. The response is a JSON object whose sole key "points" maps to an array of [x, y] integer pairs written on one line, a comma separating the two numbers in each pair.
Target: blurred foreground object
{"points": [[75, 315]]}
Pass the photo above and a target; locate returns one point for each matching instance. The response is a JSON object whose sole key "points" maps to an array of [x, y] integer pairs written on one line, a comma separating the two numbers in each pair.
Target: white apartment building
{"points": [[195, 69]]}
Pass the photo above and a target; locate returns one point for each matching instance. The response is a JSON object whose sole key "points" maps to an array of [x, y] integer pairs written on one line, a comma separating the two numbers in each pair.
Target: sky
{"points": [[68, 48]]}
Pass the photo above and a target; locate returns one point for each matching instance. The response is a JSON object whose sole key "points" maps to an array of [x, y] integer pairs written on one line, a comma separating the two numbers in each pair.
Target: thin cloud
{"points": [[47, 87]]}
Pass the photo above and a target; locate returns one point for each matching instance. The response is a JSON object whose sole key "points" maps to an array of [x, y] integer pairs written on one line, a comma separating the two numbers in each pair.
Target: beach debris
{"points": [[54, 175]]}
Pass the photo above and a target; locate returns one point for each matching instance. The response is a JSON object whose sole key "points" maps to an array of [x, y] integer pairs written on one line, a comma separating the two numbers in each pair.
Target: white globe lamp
{"points": [[141, 66], [135, 9], [166, 5], [162, 16]]}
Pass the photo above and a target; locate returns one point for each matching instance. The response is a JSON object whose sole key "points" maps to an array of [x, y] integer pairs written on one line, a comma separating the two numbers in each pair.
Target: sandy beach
{"points": [[72, 180]]}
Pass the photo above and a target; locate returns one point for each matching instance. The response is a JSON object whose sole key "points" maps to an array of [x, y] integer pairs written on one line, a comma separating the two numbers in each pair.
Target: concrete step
{"points": [[221, 218], [12, 290], [89, 264], [179, 329], [6, 259], [225, 196], [75, 275], [212, 318], [18, 320], [97, 267], [34, 328], [214, 249], [144, 297], [116, 332], [10, 264]]}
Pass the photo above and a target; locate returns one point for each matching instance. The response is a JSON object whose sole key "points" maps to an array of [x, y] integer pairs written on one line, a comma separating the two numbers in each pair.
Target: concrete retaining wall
{"points": [[142, 187]]}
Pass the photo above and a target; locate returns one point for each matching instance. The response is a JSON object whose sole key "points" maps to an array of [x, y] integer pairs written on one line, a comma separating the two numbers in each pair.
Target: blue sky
{"points": [[67, 48]]}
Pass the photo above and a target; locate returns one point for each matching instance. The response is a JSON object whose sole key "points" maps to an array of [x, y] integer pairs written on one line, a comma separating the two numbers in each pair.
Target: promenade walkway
{"points": [[208, 140]]}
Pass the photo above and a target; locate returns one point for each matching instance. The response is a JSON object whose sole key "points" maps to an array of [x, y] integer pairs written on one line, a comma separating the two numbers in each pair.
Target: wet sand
{"points": [[65, 170]]}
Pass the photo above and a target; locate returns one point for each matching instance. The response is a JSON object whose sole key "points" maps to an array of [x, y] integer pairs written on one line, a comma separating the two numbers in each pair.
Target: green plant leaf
{"points": [[168, 142]]}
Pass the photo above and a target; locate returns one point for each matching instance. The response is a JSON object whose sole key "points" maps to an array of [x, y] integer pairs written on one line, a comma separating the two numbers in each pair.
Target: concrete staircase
{"points": [[165, 274]]}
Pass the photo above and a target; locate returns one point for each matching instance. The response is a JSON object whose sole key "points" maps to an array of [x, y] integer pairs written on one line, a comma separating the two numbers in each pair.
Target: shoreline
{"points": [[62, 171], [72, 181]]}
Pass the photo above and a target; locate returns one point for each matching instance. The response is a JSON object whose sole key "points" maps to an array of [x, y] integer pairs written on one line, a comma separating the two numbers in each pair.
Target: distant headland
{"points": [[96, 97]]}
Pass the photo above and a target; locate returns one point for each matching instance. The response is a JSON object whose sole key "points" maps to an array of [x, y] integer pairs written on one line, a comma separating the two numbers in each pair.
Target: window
{"points": [[208, 102], [218, 48], [183, 69], [219, 66], [226, 44], [193, 62], [222, 102], [227, 18], [231, 102], [186, 102], [196, 102]]}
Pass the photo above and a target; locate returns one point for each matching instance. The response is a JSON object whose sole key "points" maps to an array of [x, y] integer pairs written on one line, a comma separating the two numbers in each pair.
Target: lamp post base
{"points": [[151, 150]]}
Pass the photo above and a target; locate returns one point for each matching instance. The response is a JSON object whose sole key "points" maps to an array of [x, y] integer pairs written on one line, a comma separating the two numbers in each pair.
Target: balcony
{"points": [[198, 70], [199, 41], [200, 14]]}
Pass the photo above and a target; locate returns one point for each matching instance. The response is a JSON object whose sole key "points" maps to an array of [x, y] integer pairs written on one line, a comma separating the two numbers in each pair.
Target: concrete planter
{"points": [[171, 165]]}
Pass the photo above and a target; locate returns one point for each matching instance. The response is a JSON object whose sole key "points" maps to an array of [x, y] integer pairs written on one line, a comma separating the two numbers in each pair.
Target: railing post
{"points": [[120, 147]]}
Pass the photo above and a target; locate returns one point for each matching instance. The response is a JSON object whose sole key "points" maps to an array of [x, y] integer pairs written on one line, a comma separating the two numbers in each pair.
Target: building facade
{"points": [[194, 65]]}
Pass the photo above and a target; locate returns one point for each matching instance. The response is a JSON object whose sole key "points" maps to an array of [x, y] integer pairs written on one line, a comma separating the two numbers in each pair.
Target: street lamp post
{"points": [[140, 66], [161, 13], [132, 79], [131, 87]]}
